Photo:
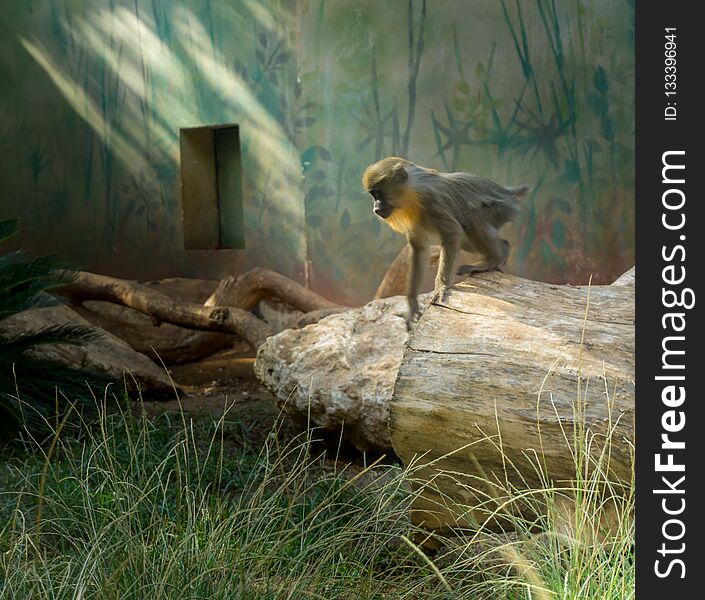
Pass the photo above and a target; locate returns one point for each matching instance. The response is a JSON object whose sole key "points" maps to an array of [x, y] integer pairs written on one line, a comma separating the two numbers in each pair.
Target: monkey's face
{"points": [[385, 181], [382, 208]]}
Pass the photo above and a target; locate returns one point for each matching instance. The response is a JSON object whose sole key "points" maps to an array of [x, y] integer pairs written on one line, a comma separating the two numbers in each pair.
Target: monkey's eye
{"points": [[377, 194]]}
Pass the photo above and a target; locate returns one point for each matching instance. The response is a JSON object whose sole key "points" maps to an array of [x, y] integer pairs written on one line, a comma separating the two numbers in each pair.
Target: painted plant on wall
{"points": [[574, 120], [538, 93]]}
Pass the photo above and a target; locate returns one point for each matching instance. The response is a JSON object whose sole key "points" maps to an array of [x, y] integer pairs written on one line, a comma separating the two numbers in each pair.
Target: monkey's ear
{"points": [[400, 174]]}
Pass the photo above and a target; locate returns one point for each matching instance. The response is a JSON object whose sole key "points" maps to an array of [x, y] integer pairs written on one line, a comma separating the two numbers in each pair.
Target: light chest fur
{"points": [[406, 217]]}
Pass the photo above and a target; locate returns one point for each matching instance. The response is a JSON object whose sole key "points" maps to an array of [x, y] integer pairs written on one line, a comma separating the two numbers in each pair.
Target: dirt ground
{"points": [[225, 383]]}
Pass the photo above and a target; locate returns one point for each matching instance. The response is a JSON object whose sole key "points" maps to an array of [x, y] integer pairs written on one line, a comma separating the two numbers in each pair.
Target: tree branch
{"points": [[248, 289], [161, 308]]}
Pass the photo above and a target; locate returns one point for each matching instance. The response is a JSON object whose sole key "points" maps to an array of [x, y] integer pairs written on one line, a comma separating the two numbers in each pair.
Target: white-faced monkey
{"points": [[461, 210]]}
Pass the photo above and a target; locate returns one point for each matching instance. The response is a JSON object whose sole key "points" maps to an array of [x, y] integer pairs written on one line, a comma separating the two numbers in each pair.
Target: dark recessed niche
{"points": [[211, 188]]}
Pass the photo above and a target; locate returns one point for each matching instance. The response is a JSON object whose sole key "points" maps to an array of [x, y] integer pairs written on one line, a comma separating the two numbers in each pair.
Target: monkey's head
{"points": [[385, 181]]}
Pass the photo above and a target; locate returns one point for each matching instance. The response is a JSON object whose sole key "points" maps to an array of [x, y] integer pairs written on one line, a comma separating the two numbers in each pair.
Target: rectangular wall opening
{"points": [[211, 188]]}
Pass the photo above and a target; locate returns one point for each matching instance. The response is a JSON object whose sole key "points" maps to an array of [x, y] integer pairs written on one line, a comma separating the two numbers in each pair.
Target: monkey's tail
{"points": [[519, 190]]}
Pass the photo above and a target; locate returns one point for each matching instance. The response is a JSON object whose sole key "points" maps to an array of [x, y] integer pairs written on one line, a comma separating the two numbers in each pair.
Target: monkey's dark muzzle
{"points": [[382, 211]]}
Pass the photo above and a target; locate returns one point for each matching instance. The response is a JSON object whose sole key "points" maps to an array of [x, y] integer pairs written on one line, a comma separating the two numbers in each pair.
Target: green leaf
{"points": [[41, 383], [600, 80], [318, 191], [282, 57], [325, 154], [307, 157], [75, 335], [8, 227]]}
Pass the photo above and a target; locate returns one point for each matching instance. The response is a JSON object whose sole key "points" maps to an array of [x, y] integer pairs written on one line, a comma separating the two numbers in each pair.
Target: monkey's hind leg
{"points": [[496, 256], [469, 270]]}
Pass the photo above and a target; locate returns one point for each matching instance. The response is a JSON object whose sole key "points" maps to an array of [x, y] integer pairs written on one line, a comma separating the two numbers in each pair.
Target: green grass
{"points": [[174, 507]]}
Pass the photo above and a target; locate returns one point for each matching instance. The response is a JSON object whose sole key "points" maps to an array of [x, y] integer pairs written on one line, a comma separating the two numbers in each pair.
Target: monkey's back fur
{"points": [[465, 193]]}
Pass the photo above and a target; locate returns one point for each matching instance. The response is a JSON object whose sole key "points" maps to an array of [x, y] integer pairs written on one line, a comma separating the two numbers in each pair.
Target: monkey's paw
{"points": [[412, 319], [440, 295]]}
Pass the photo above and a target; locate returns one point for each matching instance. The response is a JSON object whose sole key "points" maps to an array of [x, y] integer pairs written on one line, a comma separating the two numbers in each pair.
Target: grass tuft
{"points": [[177, 507]]}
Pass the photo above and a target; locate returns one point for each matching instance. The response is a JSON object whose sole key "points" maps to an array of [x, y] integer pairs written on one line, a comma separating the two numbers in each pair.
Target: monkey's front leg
{"points": [[417, 269], [450, 246]]}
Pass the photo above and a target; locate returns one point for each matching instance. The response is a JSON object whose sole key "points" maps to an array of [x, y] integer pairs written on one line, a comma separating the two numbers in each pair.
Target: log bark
{"points": [[161, 308], [499, 375], [626, 278], [338, 374]]}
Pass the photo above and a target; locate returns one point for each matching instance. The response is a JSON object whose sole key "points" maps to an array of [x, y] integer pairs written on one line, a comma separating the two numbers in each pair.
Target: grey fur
{"points": [[464, 210]]}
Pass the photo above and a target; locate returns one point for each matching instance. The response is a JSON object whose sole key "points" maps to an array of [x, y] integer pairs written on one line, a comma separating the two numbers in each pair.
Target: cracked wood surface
{"points": [[512, 363]]}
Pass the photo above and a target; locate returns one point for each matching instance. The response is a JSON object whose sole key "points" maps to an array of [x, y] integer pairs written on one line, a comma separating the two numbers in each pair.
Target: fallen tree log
{"points": [[338, 373], [167, 344], [163, 309], [248, 289], [108, 354], [224, 309], [394, 281], [499, 381]]}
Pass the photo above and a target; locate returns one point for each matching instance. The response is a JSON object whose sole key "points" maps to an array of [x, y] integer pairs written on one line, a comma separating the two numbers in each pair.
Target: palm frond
{"points": [[34, 387], [14, 347], [8, 227], [24, 278], [33, 391]]}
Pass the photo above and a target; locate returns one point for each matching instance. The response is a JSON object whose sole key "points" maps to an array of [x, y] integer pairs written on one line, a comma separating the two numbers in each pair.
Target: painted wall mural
{"points": [[522, 92], [93, 96]]}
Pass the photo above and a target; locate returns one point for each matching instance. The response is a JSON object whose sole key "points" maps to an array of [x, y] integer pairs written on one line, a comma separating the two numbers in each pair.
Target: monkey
{"points": [[461, 210]]}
